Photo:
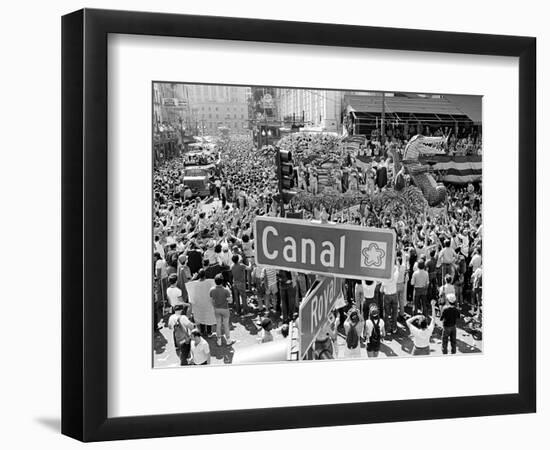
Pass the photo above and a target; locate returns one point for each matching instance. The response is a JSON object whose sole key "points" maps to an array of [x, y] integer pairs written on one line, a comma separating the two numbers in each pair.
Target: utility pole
{"points": [[383, 121], [280, 181]]}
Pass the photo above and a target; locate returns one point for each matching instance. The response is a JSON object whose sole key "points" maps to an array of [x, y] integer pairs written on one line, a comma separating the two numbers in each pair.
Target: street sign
{"points": [[315, 309], [343, 251]]}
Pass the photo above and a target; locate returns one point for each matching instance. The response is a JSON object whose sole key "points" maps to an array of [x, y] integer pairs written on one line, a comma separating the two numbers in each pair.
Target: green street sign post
{"points": [[337, 250], [315, 309]]}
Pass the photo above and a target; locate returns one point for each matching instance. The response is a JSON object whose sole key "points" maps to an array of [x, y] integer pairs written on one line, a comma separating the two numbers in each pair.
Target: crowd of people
{"points": [[463, 141], [205, 270]]}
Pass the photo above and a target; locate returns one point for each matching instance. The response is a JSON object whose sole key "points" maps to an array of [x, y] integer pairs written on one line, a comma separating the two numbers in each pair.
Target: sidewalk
{"points": [[246, 332], [243, 329]]}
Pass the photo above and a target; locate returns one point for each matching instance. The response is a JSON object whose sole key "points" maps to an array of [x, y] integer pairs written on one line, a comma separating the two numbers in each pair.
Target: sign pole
{"points": [[314, 312], [280, 182], [383, 120], [310, 353]]}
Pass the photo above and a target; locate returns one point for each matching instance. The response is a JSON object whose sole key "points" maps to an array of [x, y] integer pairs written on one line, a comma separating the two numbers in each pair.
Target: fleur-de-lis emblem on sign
{"points": [[373, 255]]}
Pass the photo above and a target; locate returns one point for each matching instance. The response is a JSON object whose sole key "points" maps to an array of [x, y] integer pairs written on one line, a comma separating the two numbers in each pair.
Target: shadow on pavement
{"points": [[404, 340], [387, 350], [464, 347], [159, 343], [224, 351]]}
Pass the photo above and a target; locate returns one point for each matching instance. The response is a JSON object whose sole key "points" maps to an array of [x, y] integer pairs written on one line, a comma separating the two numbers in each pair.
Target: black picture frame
{"points": [[84, 224]]}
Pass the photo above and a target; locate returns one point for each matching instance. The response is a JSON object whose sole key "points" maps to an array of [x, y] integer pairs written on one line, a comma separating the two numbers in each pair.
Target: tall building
{"points": [[170, 105], [263, 104], [314, 108], [214, 106]]}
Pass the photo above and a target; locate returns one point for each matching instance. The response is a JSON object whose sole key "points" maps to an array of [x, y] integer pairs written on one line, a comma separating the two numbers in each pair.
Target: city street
{"points": [[246, 332], [267, 192]]}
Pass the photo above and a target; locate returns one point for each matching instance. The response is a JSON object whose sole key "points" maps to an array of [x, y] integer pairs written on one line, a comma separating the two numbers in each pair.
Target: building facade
{"points": [[170, 105], [214, 107], [312, 108], [200, 109]]}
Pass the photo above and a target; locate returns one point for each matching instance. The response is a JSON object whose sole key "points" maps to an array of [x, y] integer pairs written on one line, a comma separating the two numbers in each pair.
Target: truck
{"points": [[197, 178], [201, 165]]}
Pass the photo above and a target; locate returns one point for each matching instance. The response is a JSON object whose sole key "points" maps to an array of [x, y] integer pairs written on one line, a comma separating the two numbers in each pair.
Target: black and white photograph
{"points": [[297, 224], [318, 201]]}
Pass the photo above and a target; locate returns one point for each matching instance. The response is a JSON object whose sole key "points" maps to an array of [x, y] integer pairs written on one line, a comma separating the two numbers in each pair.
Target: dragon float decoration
{"points": [[434, 192]]}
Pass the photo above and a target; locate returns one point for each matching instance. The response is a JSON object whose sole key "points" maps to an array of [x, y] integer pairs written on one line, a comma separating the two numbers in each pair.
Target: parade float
{"points": [[421, 173], [334, 158]]}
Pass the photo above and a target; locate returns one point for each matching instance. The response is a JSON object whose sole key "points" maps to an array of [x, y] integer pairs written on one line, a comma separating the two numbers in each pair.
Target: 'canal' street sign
{"points": [[315, 309], [344, 251]]}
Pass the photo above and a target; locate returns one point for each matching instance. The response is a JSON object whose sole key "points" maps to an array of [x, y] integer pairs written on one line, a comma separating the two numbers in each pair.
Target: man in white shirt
{"points": [[187, 193], [161, 276], [391, 306], [421, 332], [174, 293], [401, 297], [446, 259], [181, 327], [158, 246], [200, 350], [476, 280], [475, 263], [210, 254], [464, 244]]}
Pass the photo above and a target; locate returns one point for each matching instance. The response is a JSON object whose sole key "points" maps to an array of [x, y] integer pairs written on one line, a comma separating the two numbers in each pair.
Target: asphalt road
{"points": [[246, 332]]}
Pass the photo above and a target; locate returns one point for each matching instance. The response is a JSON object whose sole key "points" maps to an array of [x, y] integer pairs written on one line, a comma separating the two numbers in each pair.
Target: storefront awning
{"points": [[470, 105], [445, 109]]}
